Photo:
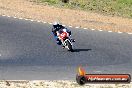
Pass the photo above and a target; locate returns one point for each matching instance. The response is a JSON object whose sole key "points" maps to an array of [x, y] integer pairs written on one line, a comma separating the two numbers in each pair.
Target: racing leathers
{"points": [[59, 28]]}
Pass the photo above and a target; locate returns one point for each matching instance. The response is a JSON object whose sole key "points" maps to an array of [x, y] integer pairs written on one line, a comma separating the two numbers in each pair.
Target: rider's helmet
{"points": [[56, 23]]}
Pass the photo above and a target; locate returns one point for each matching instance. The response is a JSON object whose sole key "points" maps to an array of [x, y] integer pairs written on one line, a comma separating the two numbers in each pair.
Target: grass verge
{"points": [[121, 8]]}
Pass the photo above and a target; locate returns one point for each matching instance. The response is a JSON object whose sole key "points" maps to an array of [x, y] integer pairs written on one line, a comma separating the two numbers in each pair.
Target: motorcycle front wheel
{"points": [[69, 46]]}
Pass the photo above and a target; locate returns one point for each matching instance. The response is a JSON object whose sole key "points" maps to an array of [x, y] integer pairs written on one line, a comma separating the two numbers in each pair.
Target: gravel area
{"points": [[56, 84], [32, 10]]}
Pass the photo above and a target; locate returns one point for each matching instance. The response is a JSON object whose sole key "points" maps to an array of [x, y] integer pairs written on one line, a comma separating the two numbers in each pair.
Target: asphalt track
{"points": [[28, 52]]}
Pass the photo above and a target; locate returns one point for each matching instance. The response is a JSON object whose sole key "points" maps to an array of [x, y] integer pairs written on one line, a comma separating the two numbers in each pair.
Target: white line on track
{"points": [[8, 16], [76, 27], [20, 18], [31, 20], [38, 21], [15, 17], [129, 33], [100, 30], [70, 26], [50, 23], [109, 31], [119, 32], [26, 19], [63, 24], [44, 22], [93, 29], [3, 15], [85, 28]]}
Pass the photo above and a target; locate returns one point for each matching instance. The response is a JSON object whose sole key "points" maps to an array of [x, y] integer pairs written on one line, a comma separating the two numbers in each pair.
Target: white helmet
{"points": [[55, 23]]}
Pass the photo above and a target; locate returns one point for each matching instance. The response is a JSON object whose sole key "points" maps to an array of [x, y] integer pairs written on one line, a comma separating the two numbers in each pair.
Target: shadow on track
{"points": [[78, 50]]}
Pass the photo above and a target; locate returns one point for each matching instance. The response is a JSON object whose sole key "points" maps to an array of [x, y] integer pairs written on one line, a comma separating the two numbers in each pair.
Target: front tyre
{"points": [[69, 46]]}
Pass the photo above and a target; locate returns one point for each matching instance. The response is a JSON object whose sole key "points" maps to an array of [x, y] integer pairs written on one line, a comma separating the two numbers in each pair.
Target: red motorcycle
{"points": [[66, 41]]}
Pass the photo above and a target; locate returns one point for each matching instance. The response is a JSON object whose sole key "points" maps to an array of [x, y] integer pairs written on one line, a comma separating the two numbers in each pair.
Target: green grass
{"points": [[49, 1], [121, 8]]}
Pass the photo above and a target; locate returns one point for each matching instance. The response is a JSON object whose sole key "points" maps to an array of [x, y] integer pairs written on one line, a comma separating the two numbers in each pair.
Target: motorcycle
{"points": [[65, 39]]}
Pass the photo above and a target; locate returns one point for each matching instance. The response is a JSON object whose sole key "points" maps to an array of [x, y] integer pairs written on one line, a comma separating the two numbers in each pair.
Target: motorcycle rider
{"points": [[57, 27]]}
